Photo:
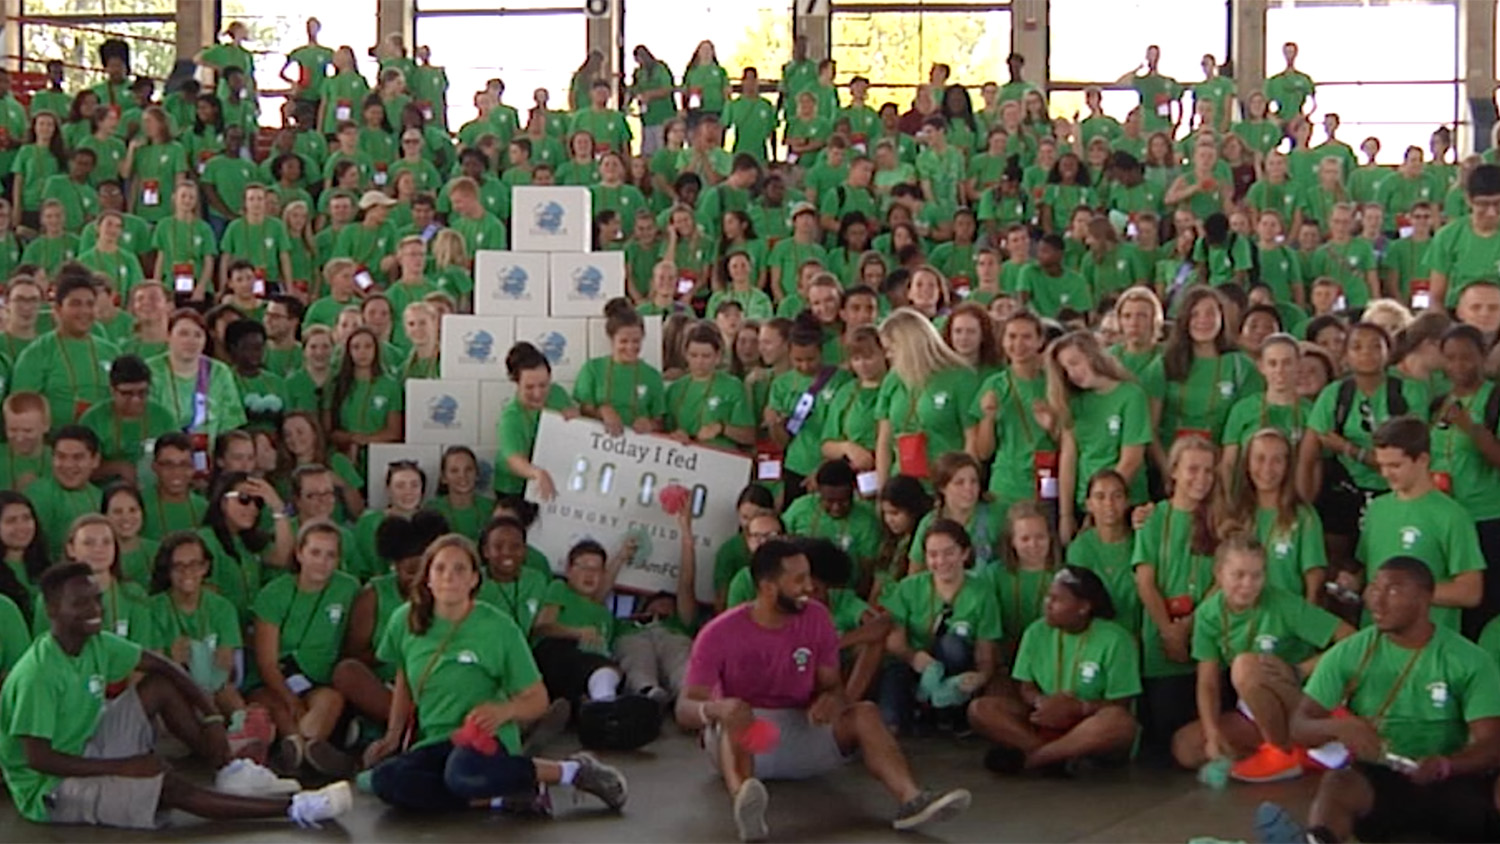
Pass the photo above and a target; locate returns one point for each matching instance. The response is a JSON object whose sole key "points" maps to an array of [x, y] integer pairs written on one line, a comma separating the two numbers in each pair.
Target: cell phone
{"points": [[364, 279], [184, 284]]}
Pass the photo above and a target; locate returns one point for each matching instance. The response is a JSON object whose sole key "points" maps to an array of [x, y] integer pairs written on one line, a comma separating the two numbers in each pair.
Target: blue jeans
{"points": [[898, 683], [442, 778]]}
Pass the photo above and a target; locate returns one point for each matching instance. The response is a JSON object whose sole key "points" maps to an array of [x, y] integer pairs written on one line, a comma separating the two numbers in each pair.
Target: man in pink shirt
{"points": [[776, 659]]}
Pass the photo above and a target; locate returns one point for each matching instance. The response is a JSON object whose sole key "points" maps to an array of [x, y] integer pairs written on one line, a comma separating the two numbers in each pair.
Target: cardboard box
{"points": [[651, 347], [443, 411], [510, 283], [381, 455], [582, 282], [474, 347], [493, 397], [551, 219], [563, 341]]}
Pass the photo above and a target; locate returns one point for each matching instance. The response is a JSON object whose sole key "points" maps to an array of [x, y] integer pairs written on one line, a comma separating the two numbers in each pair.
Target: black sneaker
{"points": [[601, 780], [931, 807]]}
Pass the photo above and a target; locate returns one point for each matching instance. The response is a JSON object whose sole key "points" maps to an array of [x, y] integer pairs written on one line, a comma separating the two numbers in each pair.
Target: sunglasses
{"points": [[245, 498]]}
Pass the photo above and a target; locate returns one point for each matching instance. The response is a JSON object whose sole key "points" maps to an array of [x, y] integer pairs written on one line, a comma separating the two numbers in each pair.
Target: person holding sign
{"points": [[653, 644], [1418, 707], [1079, 675], [1261, 639], [482, 691], [772, 667], [620, 389], [924, 399], [531, 372]]}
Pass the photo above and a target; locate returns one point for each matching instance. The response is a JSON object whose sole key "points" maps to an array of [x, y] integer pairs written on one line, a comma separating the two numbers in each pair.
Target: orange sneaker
{"points": [[1269, 764]]}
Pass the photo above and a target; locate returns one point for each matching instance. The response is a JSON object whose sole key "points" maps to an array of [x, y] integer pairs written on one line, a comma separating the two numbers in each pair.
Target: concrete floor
{"points": [[675, 797]]}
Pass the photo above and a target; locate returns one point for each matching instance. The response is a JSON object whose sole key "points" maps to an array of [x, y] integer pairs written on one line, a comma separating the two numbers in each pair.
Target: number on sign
{"points": [[646, 493]]}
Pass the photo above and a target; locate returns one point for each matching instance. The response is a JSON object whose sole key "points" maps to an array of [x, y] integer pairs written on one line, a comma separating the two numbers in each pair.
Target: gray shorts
{"points": [[805, 750], [128, 802]]}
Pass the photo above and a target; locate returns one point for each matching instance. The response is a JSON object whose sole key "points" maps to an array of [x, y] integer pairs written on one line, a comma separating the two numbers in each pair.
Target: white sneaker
{"points": [[309, 808], [246, 778]]}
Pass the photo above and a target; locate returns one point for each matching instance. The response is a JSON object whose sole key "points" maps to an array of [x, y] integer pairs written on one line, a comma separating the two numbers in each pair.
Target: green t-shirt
{"points": [[1103, 425], [985, 526], [858, 533], [453, 668], [1201, 402], [1348, 264], [72, 374], [731, 558], [914, 605], [465, 520], [804, 451], [1157, 94], [1476, 483], [516, 433], [520, 599], [214, 622], [369, 403], [15, 639], [1280, 624], [1165, 542], [1433, 528], [58, 698], [753, 121], [633, 390], [191, 243], [1100, 664], [1252, 413], [1021, 594], [56, 508], [122, 439], [936, 411], [1421, 702], [262, 244], [222, 408], [161, 517], [1463, 257], [234, 571], [692, 404], [850, 417], [1288, 91], [575, 610], [1018, 437], [1291, 553], [229, 175], [1366, 414], [1049, 294], [1111, 561], [16, 472], [311, 624]]}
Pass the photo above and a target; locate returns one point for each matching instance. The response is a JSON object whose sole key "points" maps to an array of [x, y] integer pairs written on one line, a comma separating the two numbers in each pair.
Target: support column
{"points": [[1247, 39], [606, 33], [392, 17], [1476, 67], [813, 21], [197, 26], [1030, 27], [10, 34]]}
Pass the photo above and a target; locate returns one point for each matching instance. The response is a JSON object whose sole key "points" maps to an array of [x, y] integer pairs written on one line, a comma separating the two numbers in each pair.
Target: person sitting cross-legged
{"points": [[73, 754], [772, 667]]}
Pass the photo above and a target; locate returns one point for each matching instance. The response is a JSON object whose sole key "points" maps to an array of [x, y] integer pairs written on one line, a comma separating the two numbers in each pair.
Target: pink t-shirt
{"points": [[768, 669]]}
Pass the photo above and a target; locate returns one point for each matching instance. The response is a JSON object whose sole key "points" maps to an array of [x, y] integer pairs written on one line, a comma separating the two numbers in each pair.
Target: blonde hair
{"points": [[1143, 294], [449, 249], [1029, 510], [917, 350], [1388, 314], [1060, 388]]}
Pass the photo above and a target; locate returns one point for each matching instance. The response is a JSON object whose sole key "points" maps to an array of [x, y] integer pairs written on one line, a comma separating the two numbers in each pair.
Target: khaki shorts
{"points": [[128, 802], [805, 750]]}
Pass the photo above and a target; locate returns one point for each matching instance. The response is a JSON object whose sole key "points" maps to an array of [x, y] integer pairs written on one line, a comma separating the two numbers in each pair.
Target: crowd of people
{"points": [[1167, 437]]}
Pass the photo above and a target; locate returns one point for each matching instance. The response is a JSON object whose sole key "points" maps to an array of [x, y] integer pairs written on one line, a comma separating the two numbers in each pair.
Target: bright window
{"points": [[540, 51]]}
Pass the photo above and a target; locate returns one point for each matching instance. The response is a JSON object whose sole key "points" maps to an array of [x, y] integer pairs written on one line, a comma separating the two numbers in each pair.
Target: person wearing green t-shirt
{"points": [[488, 686], [836, 514], [1291, 89], [1161, 106], [58, 722], [67, 493], [798, 405], [753, 119], [924, 399], [1416, 519], [1350, 261], [511, 585], [707, 406], [1173, 561], [299, 632], [516, 431], [191, 625], [129, 420], [1105, 424], [79, 200], [170, 503], [241, 551], [257, 238], [185, 245], [620, 389], [1105, 547], [69, 366], [456, 499], [1048, 287], [1262, 639], [1467, 250], [1078, 673], [367, 405], [1423, 706], [198, 391], [945, 633], [654, 642], [1004, 420]]}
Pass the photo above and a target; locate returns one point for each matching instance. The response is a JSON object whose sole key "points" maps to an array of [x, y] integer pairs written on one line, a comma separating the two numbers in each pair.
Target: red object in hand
{"points": [[673, 498], [1180, 606], [761, 736], [471, 736]]}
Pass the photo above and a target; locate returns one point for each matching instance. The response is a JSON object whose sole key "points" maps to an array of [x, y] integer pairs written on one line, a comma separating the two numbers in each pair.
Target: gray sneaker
{"points": [[750, 810], [601, 780], [931, 807]]}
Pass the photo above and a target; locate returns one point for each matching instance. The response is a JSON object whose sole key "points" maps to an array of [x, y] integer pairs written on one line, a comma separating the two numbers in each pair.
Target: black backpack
{"points": [[1395, 401], [628, 722]]}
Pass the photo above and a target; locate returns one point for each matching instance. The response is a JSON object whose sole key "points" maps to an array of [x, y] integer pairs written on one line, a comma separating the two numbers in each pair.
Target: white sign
{"points": [[442, 411], [551, 219], [510, 283], [564, 342], [599, 345], [493, 397], [381, 455], [582, 282], [608, 488], [474, 347]]}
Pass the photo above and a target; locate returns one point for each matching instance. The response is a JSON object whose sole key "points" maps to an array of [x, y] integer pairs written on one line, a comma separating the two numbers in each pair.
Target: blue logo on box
{"points": [[479, 346], [442, 410], [554, 345], [549, 217], [513, 280], [588, 281]]}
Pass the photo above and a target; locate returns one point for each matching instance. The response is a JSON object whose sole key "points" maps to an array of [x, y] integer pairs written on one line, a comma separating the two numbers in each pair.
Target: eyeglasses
{"points": [[761, 536], [189, 565]]}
